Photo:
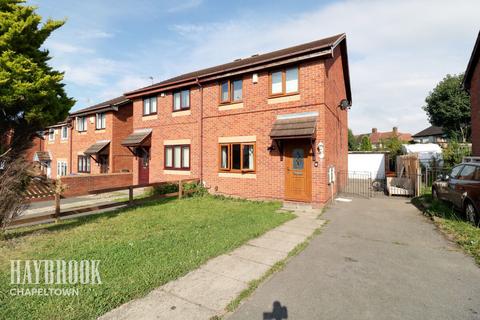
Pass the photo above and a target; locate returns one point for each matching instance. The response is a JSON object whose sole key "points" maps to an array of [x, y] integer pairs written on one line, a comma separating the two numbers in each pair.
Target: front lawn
{"points": [[451, 222], [139, 248]]}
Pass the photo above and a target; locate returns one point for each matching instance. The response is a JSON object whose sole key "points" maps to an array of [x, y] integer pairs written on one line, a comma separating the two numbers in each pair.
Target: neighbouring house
{"points": [[378, 139], [88, 142], [471, 82], [269, 126], [432, 134]]}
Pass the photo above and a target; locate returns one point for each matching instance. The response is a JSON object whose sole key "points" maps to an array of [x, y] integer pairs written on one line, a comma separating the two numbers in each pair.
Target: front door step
{"points": [[297, 206]]}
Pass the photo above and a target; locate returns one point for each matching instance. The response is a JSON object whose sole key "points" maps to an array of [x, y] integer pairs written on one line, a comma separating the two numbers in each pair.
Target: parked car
{"points": [[461, 187]]}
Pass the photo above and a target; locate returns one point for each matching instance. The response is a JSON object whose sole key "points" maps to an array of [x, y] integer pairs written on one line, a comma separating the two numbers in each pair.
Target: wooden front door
{"points": [[298, 171], [143, 166]]}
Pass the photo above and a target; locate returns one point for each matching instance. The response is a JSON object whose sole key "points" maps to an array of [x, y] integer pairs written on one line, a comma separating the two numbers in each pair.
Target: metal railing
{"points": [[357, 184]]}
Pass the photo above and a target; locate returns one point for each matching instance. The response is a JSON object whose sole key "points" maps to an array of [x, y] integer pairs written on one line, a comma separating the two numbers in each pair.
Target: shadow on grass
{"points": [[79, 221], [438, 208]]}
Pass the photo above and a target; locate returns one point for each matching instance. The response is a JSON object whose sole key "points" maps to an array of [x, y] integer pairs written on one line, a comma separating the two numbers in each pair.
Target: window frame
{"points": [[229, 160], [462, 177], [181, 100], [284, 82], [85, 123], [61, 133], [88, 166], [104, 122], [172, 167], [51, 134], [150, 98], [230, 91], [58, 167]]}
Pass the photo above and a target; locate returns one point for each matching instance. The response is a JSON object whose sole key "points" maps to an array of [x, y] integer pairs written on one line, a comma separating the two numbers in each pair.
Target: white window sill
{"points": [[177, 172], [181, 113], [230, 106], [283, 99], [150, 117]]}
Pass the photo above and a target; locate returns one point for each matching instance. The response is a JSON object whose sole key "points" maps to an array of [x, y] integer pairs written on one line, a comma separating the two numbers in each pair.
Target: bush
{"points": [[193, 189], [453, 154]]}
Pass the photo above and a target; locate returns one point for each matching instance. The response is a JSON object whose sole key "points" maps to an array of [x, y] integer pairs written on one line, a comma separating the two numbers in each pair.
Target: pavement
{"points": [[375, 259], [206, 291]]}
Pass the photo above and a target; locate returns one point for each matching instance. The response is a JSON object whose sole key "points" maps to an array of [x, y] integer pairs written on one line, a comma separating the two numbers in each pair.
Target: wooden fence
{"points": [[23, 220], [40, 189]]}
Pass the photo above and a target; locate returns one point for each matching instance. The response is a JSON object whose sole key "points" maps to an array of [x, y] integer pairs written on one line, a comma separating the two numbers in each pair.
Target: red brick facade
{"points": [[208, 123]]}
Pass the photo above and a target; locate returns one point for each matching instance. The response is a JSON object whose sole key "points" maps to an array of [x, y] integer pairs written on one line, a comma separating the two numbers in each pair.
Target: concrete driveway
{"points": [[375, 259]]}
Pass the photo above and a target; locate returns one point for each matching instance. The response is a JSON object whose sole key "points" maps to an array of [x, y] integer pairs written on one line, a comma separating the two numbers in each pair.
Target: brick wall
{"points": [[122, 127], [321, 88], [59, 150], [82, 184], [475, 102]]}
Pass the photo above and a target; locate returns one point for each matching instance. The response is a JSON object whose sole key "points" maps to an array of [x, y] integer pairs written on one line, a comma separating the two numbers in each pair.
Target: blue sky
{"points": [[398, 50]]}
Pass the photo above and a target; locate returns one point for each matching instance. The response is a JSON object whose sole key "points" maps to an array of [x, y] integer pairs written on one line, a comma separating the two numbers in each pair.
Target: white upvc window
{"points": [[51, 134], [64, 133], [100, 122], [150, 106], [61, 168]]}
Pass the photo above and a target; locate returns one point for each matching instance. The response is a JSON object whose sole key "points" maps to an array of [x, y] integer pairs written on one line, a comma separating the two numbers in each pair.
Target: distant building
{"points": [[432, 134], [378, 139], [471, 82]]}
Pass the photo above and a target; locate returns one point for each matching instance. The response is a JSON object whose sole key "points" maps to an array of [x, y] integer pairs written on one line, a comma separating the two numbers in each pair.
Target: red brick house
{"points": [[377, 138], [471, 83], [269, 126], [88, 142]]}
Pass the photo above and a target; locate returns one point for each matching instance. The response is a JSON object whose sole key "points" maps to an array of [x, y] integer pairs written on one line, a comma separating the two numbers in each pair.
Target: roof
{"points": [[472, 63], [261, 60], [136, 138], [430, 131], [42, 156], [294, 128], [103, 106], [97, 147], [377, 137]]}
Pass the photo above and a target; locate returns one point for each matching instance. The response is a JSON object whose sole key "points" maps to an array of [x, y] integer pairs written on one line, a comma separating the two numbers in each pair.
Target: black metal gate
{"points": [[361, 184]]}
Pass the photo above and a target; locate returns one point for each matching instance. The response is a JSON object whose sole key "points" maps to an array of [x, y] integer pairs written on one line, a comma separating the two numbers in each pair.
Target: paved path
{"points": [[375, 259], [205, 292]]}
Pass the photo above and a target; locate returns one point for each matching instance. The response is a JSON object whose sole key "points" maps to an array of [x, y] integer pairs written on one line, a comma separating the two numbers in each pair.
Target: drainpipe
{"points": [[71, 148], [201, 129]]}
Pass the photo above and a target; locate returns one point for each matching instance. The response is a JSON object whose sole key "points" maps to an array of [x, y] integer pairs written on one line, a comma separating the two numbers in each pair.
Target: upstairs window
{"points": [[64, 133], [231, 91], [149, 106], [100, 120], [284, 81], [181, 100], [83, 164], [81, 124], [237, 157], [51, 135], [177, 157]]}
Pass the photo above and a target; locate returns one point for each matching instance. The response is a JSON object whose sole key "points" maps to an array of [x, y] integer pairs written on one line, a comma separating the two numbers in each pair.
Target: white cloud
{"points": [[94, 34], [398, 50], [60, 48], [185, 5]]}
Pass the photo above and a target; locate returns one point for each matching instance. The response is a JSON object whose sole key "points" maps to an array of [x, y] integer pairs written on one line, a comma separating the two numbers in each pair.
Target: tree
{"points": [[352, 141], [453, 154], [365, 144], [393, 146], [32, 95], [448, 106]]}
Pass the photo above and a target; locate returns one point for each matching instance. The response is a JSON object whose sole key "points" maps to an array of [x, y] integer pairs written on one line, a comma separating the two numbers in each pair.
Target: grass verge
{"points": [[451, 223], [140, 248]]}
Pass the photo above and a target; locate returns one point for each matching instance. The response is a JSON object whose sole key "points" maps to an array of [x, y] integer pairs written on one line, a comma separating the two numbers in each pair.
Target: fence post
{"points": [[57, 206], [130, 195], [180, 189]]}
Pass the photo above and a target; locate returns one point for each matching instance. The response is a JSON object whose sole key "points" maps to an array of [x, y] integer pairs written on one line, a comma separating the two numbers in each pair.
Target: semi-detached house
{"points": [[270, 126]]}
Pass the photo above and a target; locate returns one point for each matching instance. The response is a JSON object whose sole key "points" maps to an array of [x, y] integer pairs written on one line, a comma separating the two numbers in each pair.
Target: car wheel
{"points": [[471, 213]]}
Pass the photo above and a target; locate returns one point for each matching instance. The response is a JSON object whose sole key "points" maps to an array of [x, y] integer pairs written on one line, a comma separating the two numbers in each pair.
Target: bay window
{"points": [[284, 81], [237, 157], [177, 157]]}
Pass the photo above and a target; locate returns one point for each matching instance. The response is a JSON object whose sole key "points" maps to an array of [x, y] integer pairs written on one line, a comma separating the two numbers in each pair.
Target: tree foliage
{"points": [[31, 93], [365, 144], [448, 106], [393, 146], [352, 141], [454, 152]]}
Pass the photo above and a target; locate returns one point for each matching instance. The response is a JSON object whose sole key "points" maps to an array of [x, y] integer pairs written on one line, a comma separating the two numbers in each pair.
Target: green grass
{"points": [[452, 223], [140, 249]]}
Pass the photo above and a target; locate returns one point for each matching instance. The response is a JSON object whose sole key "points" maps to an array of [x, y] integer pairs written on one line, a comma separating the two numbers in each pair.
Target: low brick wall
{"points": [[82, 184]]}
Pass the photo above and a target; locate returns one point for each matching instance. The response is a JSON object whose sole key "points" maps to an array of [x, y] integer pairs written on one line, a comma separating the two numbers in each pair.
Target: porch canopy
{"points": [[294, 128], [42, 156], [97, 147], [138, 138]]}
